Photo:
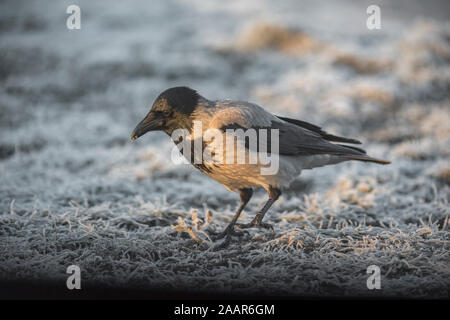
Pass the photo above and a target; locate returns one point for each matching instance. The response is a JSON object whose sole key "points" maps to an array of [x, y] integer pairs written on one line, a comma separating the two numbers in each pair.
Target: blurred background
{"points": [[73, 188]]}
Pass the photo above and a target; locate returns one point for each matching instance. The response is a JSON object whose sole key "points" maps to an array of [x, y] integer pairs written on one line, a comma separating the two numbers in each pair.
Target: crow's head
{"points": [[171, 110]]}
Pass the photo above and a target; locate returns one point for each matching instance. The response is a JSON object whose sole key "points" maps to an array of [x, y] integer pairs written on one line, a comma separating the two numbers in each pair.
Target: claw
{"points": [[255, 224], [223, 245], [245, 225], [228, 232], [267, 226]]}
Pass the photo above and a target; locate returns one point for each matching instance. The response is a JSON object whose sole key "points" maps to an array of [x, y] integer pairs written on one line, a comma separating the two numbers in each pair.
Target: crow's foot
{"points": [[223, 245], [228, 232], [255, 224]]}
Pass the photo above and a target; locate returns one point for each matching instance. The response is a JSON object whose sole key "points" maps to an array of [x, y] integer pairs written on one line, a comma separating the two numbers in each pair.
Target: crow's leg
{"points": [[245, 195], [274, 194]]}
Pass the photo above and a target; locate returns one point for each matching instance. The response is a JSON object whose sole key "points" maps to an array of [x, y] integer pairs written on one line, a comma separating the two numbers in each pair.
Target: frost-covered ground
{"points": [[74, 190]]}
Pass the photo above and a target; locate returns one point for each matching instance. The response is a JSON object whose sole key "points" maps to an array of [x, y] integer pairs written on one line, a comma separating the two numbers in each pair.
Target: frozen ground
{"points": [[74, 190]]}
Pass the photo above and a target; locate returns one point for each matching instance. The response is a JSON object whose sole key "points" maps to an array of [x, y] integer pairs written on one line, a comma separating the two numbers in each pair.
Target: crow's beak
{"points": [[150, 123]]}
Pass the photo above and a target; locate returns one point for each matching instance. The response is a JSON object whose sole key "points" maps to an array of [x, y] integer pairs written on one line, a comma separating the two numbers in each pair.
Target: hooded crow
{"points": [[293, 144]]}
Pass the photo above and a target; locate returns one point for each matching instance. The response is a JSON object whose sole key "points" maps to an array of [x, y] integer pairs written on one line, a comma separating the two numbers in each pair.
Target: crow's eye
{"points": [[164, 113]]}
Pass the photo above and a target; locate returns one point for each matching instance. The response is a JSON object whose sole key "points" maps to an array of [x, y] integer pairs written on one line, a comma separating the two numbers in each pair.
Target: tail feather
{"points": [[366, 159], [352, 147], [360, 155]]}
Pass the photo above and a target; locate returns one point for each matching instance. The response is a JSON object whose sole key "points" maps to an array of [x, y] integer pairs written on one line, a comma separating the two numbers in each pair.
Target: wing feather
{"points": [[293, 138], [319, 130], [296, 137]]}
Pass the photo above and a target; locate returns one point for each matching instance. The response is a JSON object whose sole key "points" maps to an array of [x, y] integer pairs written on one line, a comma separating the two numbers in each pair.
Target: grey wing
{"points": [[292, 139], [295, 140], [243, 114], [298, 141], [317, 129]]}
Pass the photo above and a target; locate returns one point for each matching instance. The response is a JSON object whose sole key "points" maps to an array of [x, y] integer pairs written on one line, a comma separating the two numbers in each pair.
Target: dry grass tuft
{"points": [[436, 123], [194, 229], [441, 172], [268, 36], [360, 64], [422, 149], [424, 53], [373, 94], [262, 36], [275, 101], [359, 192]]}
